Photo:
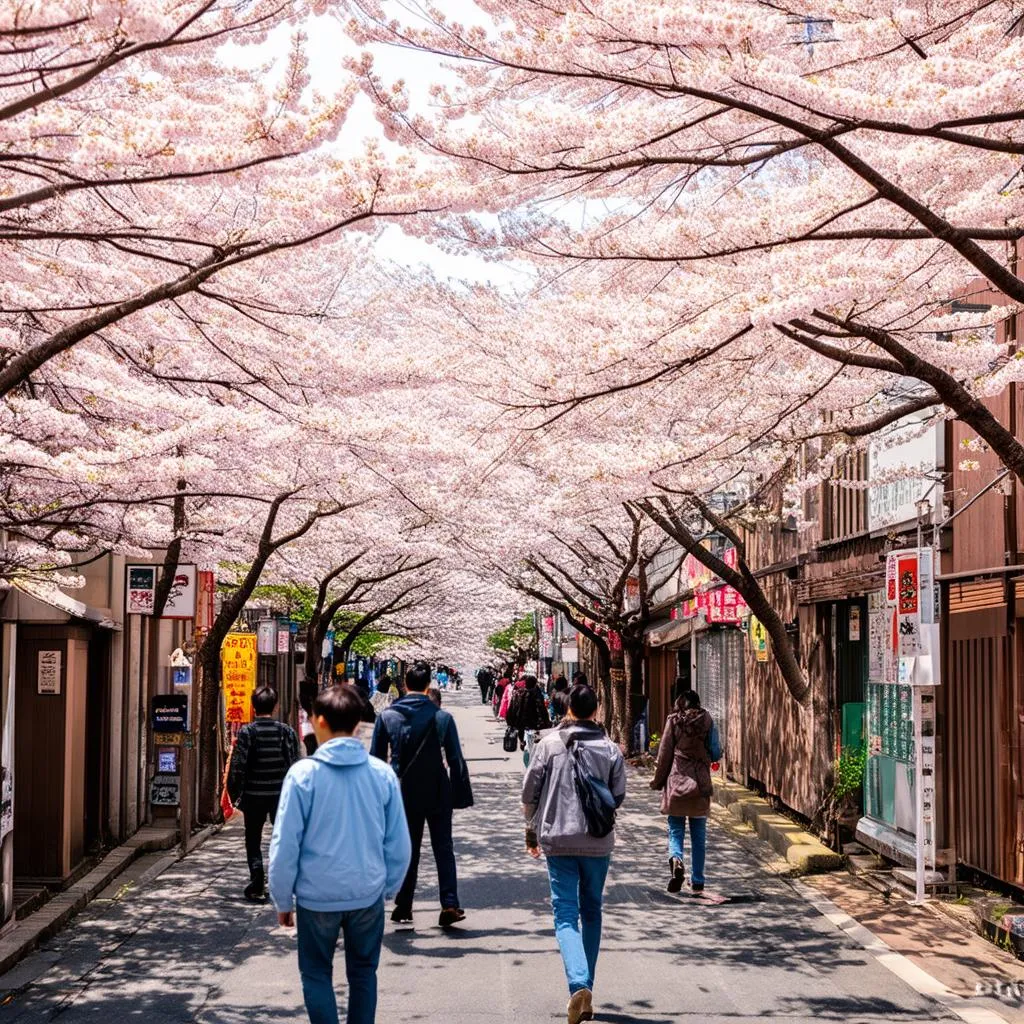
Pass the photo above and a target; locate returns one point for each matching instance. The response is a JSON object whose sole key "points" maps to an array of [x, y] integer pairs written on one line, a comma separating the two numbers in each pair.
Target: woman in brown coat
{"points": [[683, 774]]}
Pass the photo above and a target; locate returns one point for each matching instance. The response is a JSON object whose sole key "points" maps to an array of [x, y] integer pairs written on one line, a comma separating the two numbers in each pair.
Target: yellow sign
{"points": [[758, 639], [238, 669], [168, 739]]}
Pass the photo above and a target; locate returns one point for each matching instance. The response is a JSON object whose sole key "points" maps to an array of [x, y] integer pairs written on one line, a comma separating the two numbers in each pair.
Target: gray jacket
{"points": [[550, 802]]}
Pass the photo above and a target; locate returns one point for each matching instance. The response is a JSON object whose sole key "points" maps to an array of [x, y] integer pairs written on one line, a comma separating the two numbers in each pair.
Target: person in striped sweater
{"points": [[264, 751]]}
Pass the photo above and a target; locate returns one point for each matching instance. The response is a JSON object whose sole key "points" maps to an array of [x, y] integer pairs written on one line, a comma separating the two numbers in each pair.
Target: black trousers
{"points": [[440, 824], [257, 811]]}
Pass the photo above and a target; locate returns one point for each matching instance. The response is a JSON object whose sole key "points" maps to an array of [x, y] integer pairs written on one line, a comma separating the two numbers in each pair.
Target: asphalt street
{"points": [[185, 946]]}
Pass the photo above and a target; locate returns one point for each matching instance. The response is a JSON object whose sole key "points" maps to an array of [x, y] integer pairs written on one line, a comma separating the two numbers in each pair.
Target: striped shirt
{"points": [[263, 753]]}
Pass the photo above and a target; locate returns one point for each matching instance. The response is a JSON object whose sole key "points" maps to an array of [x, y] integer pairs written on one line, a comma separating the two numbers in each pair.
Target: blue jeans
{"points": [[699, 839], [577, 891], [318, 933]]}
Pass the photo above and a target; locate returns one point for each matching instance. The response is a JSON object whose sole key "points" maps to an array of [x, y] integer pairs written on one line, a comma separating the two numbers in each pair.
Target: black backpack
{"points": [[594, 794]]}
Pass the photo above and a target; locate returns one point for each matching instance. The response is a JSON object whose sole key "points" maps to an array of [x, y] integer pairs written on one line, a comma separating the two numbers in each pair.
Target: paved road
{"points": [[185, 947]]}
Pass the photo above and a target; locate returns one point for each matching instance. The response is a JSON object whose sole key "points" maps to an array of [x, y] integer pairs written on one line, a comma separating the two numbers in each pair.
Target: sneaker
{"points": [[696, 887], [402, 917], [451, 916], [675, 883], [581, 1006]]}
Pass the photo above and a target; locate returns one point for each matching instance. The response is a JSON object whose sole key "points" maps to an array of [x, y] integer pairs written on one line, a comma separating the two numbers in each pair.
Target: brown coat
{"points": [[683, 771]]}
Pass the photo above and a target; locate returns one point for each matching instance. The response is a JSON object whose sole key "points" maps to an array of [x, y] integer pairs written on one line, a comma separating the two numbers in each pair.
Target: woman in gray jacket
{"points": [[577, 861]]}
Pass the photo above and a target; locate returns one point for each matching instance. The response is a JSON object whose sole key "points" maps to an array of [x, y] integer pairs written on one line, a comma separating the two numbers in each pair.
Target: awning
{"points": [[659, 636], [47, 593]]}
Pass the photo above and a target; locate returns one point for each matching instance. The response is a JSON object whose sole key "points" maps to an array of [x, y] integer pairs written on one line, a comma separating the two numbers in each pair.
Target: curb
{"points": [[56, 913], [803, 852]]}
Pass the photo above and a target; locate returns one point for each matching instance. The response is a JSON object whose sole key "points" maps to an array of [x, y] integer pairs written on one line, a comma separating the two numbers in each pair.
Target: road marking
{"points": [[904, 969]]}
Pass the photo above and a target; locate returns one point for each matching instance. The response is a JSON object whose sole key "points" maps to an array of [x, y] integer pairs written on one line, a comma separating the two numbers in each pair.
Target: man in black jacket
{"points": [[264, 751], [416, 732]]}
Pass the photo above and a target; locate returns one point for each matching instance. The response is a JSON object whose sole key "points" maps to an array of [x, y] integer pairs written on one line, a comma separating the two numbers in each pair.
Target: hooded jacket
{"points": [[550, 802], [340, 840], [683, 770]]}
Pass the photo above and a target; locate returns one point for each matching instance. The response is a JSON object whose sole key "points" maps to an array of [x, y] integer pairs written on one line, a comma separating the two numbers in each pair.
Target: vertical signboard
{"points": [[205, 601], [238, 664], [265, 636]]}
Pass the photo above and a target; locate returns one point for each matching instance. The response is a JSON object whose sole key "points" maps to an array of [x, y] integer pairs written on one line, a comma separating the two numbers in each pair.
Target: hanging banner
{"points": [[238, 664]]}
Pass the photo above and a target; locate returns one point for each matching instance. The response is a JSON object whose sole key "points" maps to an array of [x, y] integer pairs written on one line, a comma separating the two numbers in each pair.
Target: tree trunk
{"points": [[634, 684], [618, 686]]}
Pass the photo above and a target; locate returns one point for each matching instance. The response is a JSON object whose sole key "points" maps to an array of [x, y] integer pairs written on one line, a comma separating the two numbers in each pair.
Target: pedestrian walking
{"points": [[506, 697], [577, 843], [420, 738], [485, 680], [527, 711], [499, 693], [340, 848], [560, 699], [689, 743], [263, 753]]}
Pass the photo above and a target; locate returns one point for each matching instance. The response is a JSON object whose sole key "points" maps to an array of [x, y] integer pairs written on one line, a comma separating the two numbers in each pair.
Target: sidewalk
{"points": [[187, 948], [52, 915]]}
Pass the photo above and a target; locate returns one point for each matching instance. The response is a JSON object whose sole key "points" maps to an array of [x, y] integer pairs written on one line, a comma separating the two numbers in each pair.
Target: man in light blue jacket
{"points": [[340, 848]]}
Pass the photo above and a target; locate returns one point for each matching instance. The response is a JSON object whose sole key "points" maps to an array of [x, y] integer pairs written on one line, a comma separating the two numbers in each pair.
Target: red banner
{"points": [[906, 574]]}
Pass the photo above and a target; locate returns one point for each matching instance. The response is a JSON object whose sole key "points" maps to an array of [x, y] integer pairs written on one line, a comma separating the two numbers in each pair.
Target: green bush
{"points": [[849, 771]]}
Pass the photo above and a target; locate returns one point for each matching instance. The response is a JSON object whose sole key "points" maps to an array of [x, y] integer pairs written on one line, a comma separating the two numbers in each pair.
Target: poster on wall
{"points": [[758, 639], [48, 672], [238, 664]]}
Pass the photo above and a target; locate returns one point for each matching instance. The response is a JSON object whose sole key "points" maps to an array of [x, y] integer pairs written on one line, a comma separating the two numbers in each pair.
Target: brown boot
{"points": [[581, 1006]]}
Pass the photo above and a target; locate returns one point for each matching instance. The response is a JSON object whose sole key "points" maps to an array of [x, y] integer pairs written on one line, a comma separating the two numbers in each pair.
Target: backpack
{"points": [[593, 793], [423, 788]]}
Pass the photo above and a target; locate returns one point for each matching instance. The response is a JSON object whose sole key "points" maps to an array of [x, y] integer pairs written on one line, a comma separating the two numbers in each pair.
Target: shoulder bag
{"points": [[593, 793]]}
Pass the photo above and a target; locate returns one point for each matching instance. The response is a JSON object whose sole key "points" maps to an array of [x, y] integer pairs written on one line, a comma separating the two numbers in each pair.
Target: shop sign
{"points": [[48, 672], [165, 791], [284, 638], [902, 469], [141, 590], [724, 605], [238, 670], [170, 713], [181, 600], [140, 593]]}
